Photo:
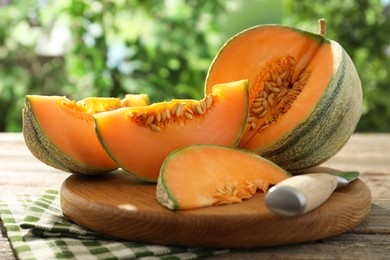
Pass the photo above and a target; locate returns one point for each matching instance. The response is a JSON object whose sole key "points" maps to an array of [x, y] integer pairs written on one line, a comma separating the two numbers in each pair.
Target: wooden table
{"points": [[21, 173]]}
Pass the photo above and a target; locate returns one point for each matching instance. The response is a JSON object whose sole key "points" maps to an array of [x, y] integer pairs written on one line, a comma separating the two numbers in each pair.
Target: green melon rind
{"points": [[44, 150], [36, 141], [164, 195], [333, 120]]}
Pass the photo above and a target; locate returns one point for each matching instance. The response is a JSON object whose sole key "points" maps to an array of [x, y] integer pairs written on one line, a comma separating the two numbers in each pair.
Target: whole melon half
{"points": [[304, 91]]}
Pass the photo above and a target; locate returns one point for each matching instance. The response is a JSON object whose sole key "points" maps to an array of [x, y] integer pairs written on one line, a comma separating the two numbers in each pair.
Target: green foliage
{"points": [[163, 48], [361, 27]]}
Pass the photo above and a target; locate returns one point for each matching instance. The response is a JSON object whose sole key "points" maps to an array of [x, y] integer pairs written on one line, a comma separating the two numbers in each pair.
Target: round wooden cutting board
{"points": [[115, 204]]}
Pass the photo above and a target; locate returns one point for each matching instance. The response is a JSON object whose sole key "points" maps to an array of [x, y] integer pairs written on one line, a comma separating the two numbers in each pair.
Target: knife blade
{"points": [[302, 193]]}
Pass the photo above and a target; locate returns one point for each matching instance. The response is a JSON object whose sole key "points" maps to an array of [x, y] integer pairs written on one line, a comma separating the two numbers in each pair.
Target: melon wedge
{"points": [[206, 175], [139, 139], [305, 93], [61, 133]]}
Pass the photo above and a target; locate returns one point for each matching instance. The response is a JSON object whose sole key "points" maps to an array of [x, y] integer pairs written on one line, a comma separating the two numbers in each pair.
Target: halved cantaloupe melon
{"points": [[60, 132], [140, 138], [305, 93], [205, 175]]}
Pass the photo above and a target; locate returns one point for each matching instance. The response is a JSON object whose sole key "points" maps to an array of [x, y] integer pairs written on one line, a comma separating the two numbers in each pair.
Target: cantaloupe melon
{"points": [[305, 93]]}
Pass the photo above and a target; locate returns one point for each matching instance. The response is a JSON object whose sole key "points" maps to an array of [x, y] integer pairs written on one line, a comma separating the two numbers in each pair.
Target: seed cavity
{"points": [[77, 110], [273, 92], [234, 192], [158, 118]]}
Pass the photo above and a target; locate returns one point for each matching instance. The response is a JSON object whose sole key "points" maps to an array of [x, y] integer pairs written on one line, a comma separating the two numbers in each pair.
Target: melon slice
{"points": [[60, 132], [305, 93], [205, 175], [140, 138]]}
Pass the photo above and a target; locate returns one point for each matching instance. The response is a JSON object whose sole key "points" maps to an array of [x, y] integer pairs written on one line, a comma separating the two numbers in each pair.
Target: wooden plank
{"points": [[21, 173], [347, 246], [378, 221]]}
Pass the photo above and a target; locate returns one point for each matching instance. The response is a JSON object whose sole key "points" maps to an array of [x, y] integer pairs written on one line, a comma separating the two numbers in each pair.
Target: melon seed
{"points": [[259, 99], [174, 109], [251, 119], [284, 74], [209, 101], [265, 104], [155, 128], [257, 110], [188, 115], [258, 104], [278, 81], [168, 113], [158, 117], [179, 110], [203, 105], [268, 86], [189, 110], [264, 127], [163, 115], [149, 120], [270, 100], [263, 114], [140, 113], [282, 93], [199, 108]]}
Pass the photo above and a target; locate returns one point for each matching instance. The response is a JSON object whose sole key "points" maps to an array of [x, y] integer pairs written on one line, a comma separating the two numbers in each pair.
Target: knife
{"points": [[302, 193]]}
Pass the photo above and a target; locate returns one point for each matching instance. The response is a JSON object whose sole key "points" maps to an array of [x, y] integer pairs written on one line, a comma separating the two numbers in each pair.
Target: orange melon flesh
{"points": [[69, 126], [206, 175], [140, 150], [253, 50], [73, 134], [134, 100]]}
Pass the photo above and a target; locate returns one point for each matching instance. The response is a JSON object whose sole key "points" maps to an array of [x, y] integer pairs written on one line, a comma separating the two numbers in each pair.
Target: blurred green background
{"points": [[163, 48]]}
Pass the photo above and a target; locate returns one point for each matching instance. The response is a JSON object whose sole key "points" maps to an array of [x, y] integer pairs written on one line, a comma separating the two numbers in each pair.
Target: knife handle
{"points": [[300, 194]]}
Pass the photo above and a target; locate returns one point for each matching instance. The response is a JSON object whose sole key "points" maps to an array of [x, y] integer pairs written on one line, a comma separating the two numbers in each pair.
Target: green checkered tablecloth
{"points": [[37, 229]]}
